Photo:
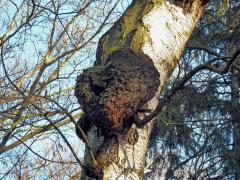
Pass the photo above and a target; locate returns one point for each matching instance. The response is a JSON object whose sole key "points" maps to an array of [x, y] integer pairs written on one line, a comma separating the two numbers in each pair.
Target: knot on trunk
{"points": [[112, 93]]}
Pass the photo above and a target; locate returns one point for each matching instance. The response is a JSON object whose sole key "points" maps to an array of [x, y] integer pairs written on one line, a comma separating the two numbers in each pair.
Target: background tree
{"points": [[199, 138]]}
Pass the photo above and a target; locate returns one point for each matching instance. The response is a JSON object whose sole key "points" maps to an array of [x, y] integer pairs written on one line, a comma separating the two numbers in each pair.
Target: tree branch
{"points": [[179, 85]]}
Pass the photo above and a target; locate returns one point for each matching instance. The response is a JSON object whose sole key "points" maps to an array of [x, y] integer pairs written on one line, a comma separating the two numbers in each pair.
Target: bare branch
{"points": [[179, 85]]}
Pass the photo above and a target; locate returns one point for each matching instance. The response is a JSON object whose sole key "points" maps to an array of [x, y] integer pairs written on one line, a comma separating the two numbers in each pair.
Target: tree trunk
{"points": [[160, 30], [236, 120]]}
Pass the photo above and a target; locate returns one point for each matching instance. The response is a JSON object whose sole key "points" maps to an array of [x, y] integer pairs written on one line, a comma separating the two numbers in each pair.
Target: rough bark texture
{"points": [[158, 29], [112, 93]]}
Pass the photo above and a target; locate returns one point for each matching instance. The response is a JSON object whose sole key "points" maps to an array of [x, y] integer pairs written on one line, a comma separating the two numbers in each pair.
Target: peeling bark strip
{"points": [[157, 28], [111, 94]]}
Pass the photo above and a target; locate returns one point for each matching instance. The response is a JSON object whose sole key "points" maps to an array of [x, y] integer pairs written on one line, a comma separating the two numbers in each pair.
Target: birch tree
{"points": [[158, 29]]}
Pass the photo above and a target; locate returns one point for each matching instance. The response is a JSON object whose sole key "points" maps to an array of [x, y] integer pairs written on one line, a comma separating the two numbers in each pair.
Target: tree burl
{"points": [[111, 94]]}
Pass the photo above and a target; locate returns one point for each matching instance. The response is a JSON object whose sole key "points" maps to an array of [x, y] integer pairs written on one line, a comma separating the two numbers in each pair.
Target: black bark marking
{"points": [[108, 152], [93, 171], [131, 135], [85, 124], [105, 156], [186, 5]]}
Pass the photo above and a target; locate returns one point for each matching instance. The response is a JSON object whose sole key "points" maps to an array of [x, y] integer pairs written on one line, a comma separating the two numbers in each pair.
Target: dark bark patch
{"points": [[93, 172], [131, 135], [85, 124], [108, 152], [187, 5], [105, 156]]}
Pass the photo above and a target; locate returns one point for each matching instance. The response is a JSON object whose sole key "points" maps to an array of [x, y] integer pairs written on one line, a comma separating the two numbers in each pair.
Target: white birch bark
{"points": [[162, 34]]}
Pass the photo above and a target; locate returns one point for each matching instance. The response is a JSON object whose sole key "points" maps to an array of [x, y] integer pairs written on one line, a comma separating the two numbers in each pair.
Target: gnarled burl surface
{"points": [[110, 94]]}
